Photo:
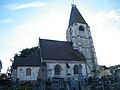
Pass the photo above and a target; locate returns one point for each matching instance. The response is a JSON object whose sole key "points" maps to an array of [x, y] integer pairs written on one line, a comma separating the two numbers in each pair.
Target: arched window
{"points": [[81, 28], [76, 69], [28, 72], [57, 69]]}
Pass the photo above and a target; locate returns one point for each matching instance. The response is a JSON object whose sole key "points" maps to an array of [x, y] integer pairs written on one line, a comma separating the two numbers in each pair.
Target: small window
{"points": [[70, 31], [57, 69], [76, 69], [28, 72], [81, 28]]}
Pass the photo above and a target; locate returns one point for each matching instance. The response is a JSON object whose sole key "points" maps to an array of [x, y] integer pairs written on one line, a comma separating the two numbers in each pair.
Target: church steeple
{"points": [[75, 16], [79, 34]]}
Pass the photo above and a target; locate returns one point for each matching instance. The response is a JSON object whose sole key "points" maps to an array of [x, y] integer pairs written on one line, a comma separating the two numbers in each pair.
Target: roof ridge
{"points": [[56, 40]]}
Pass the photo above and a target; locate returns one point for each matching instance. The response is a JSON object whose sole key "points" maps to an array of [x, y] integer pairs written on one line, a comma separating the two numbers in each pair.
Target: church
{"points": [[60, 59]]}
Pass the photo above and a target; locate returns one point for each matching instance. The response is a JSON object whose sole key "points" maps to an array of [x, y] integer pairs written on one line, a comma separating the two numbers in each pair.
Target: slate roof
{"points": [[59, 50], [50, 50], [32, 60], [75, 16]]}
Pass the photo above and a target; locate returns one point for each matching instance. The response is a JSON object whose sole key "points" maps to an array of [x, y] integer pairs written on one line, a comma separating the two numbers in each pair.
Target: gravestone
{"points": [[0, 65]]}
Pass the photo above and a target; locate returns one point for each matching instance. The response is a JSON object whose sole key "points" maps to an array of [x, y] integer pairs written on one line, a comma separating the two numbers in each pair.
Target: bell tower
{"points": [[79, 34]]}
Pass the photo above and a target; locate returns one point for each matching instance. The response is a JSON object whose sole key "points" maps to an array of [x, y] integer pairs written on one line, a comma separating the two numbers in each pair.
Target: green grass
{"points": [[20, 88]]}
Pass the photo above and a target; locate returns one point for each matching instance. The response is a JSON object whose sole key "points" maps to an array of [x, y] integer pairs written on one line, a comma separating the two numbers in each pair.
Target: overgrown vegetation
{"points": [[26, 52]]}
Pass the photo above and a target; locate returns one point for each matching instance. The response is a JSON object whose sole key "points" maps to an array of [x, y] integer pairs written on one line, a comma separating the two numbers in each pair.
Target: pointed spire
{"points": [[75, 16]]}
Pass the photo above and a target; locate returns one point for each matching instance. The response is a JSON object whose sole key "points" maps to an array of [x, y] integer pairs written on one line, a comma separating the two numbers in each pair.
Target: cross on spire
{"points": [[73, 2]]}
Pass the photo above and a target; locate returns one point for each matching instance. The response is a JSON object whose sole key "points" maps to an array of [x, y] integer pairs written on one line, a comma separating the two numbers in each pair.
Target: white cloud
{"points": [[105, 31], [110, 15], [7, 21], [27, 33], [17, 6]]}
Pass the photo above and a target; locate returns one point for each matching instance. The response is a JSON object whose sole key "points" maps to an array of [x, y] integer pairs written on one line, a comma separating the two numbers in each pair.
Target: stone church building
{"points": [[60, 59]]}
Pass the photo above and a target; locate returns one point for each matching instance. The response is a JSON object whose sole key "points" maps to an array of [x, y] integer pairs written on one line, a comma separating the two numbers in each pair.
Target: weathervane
{"points": [[72, 2]]}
